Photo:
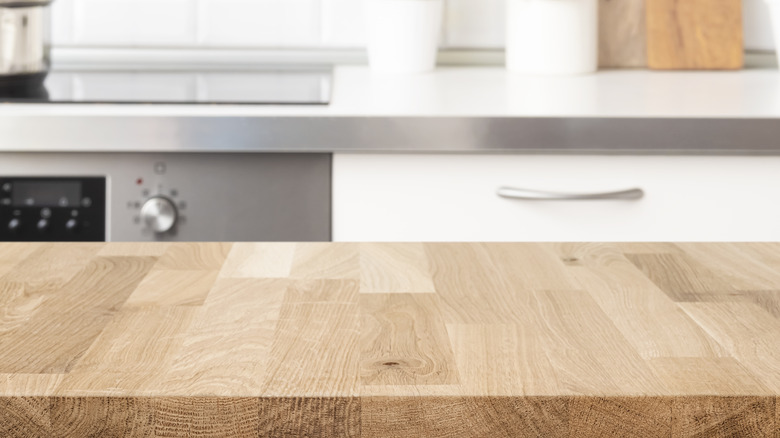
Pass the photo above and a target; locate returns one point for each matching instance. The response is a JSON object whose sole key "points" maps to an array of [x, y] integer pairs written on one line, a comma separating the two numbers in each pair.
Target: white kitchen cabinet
{"points": [[379, 197]]}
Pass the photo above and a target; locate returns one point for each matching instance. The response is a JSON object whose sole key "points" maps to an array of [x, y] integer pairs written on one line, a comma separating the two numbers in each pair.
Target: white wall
{"points": [[283, 23]]}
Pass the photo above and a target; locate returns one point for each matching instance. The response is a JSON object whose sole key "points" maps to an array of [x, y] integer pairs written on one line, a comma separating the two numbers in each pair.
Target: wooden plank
{"points": [[102, 416], [321, 260], [315, 347], [165, 287], [622, 33], [208, 256], [650, 321], [750, 334], [583, 347], [620, 417], [68, 322], [32, 385], [719, 257], [694, 34], [394, 268], [52, 263], [226, 350], [259, 260], [510, 417], [134, 249], [404, 341], [310, 417], [723, 417], [683, 278], [502, 360], [529, 267], [768, 300], [707, 376], [131, 351], [25, 417], [196, 417], [480, 296]]}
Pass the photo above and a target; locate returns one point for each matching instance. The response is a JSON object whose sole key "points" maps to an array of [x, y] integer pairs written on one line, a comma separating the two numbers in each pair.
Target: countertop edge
{"points": [[392, 134]]}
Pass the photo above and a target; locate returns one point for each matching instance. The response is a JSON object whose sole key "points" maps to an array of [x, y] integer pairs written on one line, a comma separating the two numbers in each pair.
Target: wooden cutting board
{"points": [[392, 340], [622, 34], [694, 34]]}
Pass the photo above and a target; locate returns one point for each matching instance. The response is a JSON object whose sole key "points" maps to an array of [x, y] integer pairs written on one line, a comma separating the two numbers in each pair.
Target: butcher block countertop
{"points": [[389, 340]]}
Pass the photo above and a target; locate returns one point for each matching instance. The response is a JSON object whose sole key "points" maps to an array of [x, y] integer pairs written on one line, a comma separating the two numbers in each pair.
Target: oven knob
{"points": [[71, 225], [43, 224], [159, 214], [14, 224]]}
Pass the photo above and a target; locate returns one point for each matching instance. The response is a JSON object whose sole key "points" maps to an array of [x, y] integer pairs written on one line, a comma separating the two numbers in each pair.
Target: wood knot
{"points": [[391, 364], [570, 260]]}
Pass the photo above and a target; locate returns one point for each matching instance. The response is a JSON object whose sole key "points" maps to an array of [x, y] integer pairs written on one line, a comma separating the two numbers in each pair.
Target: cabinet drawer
{"points": [[454, 198]]}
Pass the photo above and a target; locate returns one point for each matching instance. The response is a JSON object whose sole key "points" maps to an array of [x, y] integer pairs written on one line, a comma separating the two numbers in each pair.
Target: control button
{"points": [[7, 187], [86, 202], [174, 193], [63, 202], [71, 225], [159, 214], [17, 212], [5, 201], [14, 224], [159, 168], [74, 213], [182, 205], [43, 224], [145, 192], [45, 213]]}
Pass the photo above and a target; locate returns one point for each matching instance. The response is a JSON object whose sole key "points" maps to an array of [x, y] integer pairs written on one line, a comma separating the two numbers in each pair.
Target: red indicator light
{"points": [[139, 181]]}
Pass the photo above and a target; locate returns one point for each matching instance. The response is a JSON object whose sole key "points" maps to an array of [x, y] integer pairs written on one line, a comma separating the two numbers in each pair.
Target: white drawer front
{"points": [[453, 198]]}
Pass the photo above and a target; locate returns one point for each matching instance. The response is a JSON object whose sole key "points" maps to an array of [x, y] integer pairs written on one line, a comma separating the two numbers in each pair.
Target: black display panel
{"points": [[46, 193], [53, 209]]}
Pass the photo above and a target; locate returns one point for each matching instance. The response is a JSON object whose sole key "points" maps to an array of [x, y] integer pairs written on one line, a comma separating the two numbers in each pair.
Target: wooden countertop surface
{"points": [[391, 340]]}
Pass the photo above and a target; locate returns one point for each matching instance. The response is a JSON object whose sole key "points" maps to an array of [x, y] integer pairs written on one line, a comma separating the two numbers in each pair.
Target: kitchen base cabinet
{"points": [[384, 197]]}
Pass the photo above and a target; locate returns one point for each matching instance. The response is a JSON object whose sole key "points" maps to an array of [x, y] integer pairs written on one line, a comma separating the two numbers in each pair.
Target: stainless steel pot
{"points": [[24, 42]]}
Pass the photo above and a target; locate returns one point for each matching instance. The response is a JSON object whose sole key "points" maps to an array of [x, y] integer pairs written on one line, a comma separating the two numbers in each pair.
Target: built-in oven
{"points": [[164, 197]]}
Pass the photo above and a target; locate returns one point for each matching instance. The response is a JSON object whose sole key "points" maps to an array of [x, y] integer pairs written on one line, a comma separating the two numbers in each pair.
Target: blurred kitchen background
{"points": [[305, 26], [259, 120]]}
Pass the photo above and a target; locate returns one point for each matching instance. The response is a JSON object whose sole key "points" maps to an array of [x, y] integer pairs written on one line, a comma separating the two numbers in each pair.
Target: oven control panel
{"points": [[52, 208], [178, 196]]}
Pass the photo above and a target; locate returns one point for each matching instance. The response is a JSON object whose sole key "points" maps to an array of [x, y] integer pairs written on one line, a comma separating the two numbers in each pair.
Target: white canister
{"points": [[774, 12], [403, 35], [552, 36]]}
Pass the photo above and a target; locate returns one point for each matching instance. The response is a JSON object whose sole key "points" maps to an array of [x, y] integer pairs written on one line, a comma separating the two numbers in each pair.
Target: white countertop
{"points": [[493, 92]]}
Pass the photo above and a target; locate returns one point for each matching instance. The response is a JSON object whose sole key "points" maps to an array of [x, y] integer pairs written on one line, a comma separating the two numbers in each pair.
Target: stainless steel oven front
{"points": [[164, 197]]}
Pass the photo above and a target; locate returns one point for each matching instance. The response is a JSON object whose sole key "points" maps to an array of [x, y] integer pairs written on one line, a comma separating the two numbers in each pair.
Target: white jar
{"points": [[552, 36], [403, 35], [774, 12]]}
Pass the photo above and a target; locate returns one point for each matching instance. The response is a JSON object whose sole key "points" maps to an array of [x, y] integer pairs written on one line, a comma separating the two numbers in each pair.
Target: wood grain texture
{"points": [[723, 417], [396, 340], [694, 34], [622, 34], [505, 417], [620, 417]]}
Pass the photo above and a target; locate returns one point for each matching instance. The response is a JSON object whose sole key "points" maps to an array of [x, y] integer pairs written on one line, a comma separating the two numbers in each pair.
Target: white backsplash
{"points": [[471, 24]]}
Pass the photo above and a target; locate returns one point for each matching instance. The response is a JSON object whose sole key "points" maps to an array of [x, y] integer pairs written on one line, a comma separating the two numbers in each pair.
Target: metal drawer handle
{"points": [[539, 195]]}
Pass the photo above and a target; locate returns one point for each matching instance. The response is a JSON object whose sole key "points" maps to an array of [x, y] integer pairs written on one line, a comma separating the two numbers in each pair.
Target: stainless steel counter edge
{"points": [[391, 134]]}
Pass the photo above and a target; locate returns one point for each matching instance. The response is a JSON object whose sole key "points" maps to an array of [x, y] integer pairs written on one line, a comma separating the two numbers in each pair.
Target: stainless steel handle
{"points": [[539, 195]]}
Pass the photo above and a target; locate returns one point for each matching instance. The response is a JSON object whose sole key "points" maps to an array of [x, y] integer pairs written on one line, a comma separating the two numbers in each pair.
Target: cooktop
{"points": [[269, 86]]}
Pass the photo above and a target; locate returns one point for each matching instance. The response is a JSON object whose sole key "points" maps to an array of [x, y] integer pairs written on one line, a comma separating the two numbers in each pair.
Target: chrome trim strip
{"points": [[390, 134]]}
